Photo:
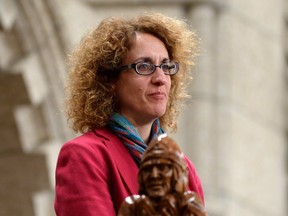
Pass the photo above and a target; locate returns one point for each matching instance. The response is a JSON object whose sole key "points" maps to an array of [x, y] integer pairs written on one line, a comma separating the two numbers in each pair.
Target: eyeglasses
{"points": [[146, 68]]}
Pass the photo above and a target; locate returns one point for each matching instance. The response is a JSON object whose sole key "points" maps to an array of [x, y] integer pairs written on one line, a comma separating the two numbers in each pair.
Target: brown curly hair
{"points": [[91, 99]]}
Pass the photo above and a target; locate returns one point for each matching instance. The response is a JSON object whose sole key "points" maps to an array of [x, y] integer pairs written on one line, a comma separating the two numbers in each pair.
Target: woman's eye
{"points": [[143, 66], [165, 67]]}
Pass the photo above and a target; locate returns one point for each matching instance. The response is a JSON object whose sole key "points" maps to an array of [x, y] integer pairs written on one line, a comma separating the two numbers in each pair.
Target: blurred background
{"points": [[234, 129]]}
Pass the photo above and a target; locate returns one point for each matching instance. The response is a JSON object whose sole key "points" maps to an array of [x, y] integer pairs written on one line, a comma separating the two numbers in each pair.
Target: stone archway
{"points": [[32, 126]]}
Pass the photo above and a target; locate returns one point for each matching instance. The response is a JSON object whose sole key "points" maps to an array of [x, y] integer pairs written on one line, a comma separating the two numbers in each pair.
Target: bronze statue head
{"points": [[163, 169]]}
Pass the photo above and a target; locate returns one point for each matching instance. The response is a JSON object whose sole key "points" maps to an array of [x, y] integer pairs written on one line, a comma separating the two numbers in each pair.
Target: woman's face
{"points": [[142, 99]]}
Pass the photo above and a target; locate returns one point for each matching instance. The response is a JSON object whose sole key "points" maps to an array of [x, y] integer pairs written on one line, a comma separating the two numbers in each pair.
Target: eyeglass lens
{"points": [[148, 68]]}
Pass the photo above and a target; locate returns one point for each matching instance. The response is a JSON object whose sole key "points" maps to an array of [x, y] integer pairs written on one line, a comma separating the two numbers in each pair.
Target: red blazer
{"points": [[95, 173]]}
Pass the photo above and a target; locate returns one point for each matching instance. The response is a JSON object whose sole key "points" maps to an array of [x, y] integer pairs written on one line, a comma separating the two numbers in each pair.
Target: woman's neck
{"points": [[144, 131]]}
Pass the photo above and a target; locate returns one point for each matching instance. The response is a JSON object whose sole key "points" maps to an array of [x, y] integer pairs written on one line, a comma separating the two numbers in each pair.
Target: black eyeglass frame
{"points": [[133, 66]]}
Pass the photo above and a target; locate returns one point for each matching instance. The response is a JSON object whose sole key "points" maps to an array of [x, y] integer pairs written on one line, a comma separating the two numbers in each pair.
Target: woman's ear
{"points": [[112, 87]]}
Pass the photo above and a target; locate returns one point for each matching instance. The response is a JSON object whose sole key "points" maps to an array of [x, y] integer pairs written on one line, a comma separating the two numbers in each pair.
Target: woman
{"points": [[126, 81]]}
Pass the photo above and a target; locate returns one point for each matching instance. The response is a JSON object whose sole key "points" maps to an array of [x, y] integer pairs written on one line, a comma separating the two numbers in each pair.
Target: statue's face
{"points": [[157, 177]]}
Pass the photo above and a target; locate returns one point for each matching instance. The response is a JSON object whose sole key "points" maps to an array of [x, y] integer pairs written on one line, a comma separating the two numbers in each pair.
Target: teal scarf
{"points": [[129, 135]]}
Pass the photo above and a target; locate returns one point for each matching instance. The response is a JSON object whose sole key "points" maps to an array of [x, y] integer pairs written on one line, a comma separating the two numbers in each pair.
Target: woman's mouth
{"points": [[158, 95]]}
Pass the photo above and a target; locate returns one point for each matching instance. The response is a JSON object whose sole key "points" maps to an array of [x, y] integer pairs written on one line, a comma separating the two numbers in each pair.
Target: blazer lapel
{"points": [[127, 167]]}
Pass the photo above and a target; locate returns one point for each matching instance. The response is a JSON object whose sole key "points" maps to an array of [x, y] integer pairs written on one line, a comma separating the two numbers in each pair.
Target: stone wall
{"points": [[237, 118], [235, 129], [31, 93]]}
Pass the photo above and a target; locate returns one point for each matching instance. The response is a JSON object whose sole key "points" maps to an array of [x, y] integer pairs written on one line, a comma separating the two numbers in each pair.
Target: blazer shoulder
{"points": [[90, 146], [95, 137]]}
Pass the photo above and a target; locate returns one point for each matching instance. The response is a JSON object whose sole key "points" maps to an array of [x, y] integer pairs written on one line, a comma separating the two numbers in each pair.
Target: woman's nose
{"points": [[159, 77]]}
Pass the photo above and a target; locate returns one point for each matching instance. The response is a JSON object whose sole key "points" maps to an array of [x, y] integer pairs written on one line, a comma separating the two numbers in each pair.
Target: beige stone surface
{"points": [[31, 126], [250, 170], [12, 93], [21, 176], [75, 26], [262, 14]]}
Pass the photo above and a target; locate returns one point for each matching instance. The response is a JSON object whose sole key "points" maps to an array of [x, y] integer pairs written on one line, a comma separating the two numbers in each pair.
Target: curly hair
{"points": [[91, 99]]}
